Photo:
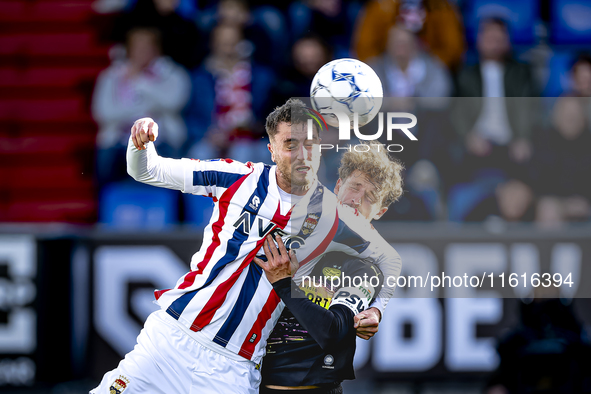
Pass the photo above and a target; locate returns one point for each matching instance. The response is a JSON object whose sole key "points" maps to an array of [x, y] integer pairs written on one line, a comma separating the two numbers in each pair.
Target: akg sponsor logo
{"points": [[244, 224]]}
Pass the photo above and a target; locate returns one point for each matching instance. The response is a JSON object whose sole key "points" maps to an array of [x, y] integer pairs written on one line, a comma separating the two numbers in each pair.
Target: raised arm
{"points": [[143, 163], [208, 178]]}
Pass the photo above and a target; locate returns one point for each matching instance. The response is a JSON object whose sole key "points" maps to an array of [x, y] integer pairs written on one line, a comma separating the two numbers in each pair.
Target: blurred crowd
{"points": [[209, 72]]}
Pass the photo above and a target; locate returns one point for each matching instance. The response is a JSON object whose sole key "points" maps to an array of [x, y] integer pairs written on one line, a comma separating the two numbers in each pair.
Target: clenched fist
{"points": [[142, 131]]}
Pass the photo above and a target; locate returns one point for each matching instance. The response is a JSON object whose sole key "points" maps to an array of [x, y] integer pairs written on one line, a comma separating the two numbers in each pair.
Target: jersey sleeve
{"points": [[327, 327], [209, 178], [356, 237]]}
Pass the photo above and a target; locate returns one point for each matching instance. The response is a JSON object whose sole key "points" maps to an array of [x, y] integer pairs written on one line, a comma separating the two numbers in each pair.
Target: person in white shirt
{"points": [[146, 84]]}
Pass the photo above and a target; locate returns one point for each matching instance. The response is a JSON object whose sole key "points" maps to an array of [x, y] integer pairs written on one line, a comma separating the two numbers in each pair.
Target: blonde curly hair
{"points": [[372, 159]]}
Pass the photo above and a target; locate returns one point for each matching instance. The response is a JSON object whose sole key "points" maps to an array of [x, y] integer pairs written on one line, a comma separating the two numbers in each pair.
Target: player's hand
{"points": [[142, 131], [280, 264], [367, 323]]}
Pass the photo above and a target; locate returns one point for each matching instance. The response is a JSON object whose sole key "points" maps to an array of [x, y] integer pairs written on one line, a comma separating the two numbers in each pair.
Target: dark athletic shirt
{"points": [[319, 348]]}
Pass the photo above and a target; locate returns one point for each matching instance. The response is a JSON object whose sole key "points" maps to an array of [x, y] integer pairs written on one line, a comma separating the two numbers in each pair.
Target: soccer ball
{"points": [[348, 86]]}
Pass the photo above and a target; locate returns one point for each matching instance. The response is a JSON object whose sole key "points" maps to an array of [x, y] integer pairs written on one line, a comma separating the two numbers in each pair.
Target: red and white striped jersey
{"points": [[226, 296]]}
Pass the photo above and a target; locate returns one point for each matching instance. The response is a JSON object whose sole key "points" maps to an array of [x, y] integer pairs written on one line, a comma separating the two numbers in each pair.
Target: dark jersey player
{"points": [[312, 346], [317, 349]]}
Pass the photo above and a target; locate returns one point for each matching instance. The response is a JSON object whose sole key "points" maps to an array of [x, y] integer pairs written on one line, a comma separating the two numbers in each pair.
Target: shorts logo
{"points": [[252, 338], [310, 223], [119, 385], [328, 360]]}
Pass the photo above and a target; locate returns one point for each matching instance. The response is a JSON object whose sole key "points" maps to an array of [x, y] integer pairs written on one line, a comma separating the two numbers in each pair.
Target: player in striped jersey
{"points": [[311, 348], [210, 333]]}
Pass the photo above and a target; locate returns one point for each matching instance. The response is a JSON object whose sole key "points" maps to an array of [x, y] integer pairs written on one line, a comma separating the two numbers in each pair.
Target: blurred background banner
{"points": [[72, 306]]}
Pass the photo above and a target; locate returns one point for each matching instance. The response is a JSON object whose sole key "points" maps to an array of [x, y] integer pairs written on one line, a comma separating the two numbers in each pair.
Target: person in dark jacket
{"points": [[561, 164], [494, 116]]}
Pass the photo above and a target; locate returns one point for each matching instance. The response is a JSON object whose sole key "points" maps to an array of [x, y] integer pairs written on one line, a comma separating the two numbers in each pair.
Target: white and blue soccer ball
{"points": [[348, 86]]}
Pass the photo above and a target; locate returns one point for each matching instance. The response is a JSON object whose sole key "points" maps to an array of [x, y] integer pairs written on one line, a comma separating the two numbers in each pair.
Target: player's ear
{"points": [[270, 147], [380, 213], [338, 186]]}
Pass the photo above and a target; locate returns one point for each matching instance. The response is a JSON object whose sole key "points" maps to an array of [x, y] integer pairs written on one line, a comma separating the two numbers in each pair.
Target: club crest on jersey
{"points": [[310, 223], [119, 385]]}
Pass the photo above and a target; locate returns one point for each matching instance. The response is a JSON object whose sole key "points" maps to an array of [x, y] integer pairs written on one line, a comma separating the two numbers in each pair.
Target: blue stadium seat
{"points": [[521, 16], [135, 206], [198, 210], [559, 74], [570, 22]]}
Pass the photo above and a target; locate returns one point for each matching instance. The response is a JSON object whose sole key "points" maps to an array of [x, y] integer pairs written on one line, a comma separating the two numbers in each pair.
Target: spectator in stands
{"points": [[308, 54], [263, 27], [330, 19], [146, 84], [436, 22], [407, 71], [180, 38], [495, 129], [230, 101], [546, 353], [561, 165], [581, 76], [512, 201]]}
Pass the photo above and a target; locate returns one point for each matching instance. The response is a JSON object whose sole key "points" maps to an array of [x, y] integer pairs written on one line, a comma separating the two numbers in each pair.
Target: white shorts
{"points": [[166, 360]]}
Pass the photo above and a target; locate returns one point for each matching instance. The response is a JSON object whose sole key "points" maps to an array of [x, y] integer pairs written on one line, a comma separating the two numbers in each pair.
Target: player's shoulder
{"points": [[353, 220]]}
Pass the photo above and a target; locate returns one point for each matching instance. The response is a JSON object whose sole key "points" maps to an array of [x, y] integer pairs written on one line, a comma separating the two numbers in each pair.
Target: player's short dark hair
{"points": [[293, 112]]}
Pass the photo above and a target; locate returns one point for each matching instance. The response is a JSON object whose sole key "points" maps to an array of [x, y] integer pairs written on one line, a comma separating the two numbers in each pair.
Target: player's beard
{"points": [[288, 172]]}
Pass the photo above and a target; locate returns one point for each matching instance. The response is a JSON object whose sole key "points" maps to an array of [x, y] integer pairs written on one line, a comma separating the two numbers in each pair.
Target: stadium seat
{"points": [[198, 210], [134, 206], [46, 77], [50, 54], [44, 110], [559, 74], [54, 44], [570, 22], [42, 11], [59, 210], [522, 17]]}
